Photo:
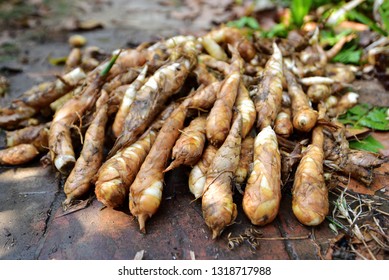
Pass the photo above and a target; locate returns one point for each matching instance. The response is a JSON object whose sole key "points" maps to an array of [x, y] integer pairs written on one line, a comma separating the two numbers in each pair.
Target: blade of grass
{"points": [[299, 9], [354, 15]]}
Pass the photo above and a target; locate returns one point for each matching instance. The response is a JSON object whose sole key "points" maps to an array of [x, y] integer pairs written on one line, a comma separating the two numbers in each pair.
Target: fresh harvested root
{"points": [[74, 59], [218, 207], [246, 159], [204, 98], [117, 174], [176, 41], [146, 190], [213, 48], [347, 101], [331, 53], [122, 79], [340, 73], [318, 92], [11, 118], [60, 142], [310, 195], [309, 81], [18, 154], [126, 60], [234, 37], [190, 145], [245, 105], [304, 117], [116, 97], [128, 98], [197, 175], [36, 135], [213, 63], [219, 118], [78, 184], [268, 98], [151, 97], [54, 106], [283, 125], [331, 102], [42, 95], [38, 97], [203, 76], [91, 57], [164, 115], [314, 57], [262, 196]]}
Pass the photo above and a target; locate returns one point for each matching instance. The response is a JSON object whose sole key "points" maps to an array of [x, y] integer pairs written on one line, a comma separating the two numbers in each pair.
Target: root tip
{"points": [[174, 164], [65, 163], [142, 222], [66, 203], [215, 233]]}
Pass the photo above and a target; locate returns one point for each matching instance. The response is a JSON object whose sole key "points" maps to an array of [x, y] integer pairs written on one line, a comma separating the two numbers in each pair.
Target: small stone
{"points": [[77, 41]]}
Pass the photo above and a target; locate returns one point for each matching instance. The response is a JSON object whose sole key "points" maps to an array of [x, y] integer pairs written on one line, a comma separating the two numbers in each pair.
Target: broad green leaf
{"points": [[360, 109], [373, 124], [249, 22], [299, 9], [252, 23], [349, 55], [368, 144], [328, 37], [377, 115], [278, 30], [366, 116]]}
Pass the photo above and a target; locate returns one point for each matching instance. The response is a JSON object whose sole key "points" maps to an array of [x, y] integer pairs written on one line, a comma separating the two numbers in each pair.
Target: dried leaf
{"points": [[139, 255]]}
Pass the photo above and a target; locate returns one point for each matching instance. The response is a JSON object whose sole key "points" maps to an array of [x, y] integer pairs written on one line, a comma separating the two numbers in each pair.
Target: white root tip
{"points": [[64, 163], [352, 97]]}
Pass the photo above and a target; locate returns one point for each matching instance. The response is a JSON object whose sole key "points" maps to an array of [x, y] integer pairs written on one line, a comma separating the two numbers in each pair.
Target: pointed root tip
{"points": [[142, 222], [170, 167], [65, 163], [215, 233]]}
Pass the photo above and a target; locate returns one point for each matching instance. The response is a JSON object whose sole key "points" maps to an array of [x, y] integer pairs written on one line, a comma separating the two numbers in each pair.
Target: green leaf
{"points": [[249, 22], [57, 60], [384, 12], [354, 15], [299, 9], [367, 116], [368, 144], [105, 71], [329, 37], [377, 115], [252, 23], [278, 30], [360, 109], [349, 55]]}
